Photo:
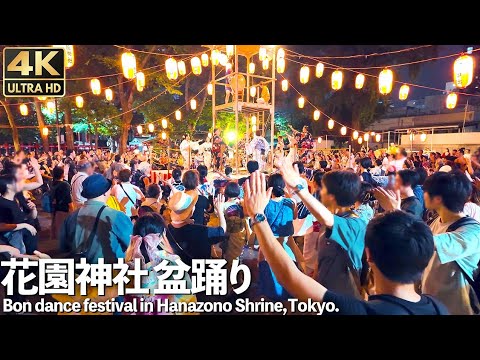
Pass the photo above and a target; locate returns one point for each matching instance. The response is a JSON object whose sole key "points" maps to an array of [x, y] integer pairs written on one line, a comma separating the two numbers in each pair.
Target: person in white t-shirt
{"points": [[126, 193], [400, 160], [84, 170]]}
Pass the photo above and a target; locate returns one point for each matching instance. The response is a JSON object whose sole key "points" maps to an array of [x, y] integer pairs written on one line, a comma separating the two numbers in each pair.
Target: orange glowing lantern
{"points": [[301, 102], [385, 81], [140, 81], [129, 65], [79, 101], [463, 71], [171, 68], [343, 130], [316, 115], [452, 100], [109, 94], [403, 92], [24, 110], [304, 74], [182, 69], [359, 81], [331, 124], [355, 135], [284, 85], [196, 65], [95, 86], [319, 70], [204, 59], [178, 115], [337, 80]]}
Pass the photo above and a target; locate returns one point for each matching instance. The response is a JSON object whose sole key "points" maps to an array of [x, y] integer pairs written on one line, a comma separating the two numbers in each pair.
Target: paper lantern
{"points": [[223, 59], [366, 136], [452, 100], [42, 98], [251, 68], [253, 91], [151, 127], [24, 110], [281, 66], [316, 115], [463, 71], [140, 81], [319, 140], [164, 135], [280, 54], [360, 140], [359, 81], [229, 50], [182, 69], [79, 101], [139, 129], [284, 85], [109, 93], [129, 65], [193, 104], [423, 137], [254, 128], [378, 137], [164, 123], [51, 107], [337, 80], [45, 131], [171, 68], [215, 57], [196, 65], [355, 135], [319, 70], [265, 64], [69, 55], [331, 124], [210, 89], [304, 74], [403, 92], [343, 130], [178, 115], [265, 95], [204, 59], [301, 102], [96, 87], [262, 53], [253, 120], [385, 81]]}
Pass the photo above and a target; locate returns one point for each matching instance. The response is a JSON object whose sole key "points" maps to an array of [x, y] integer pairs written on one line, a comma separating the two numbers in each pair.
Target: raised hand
{"points": [[388, 199], [290, 173]]}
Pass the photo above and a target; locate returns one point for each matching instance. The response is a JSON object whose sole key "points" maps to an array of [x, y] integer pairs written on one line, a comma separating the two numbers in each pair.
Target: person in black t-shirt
{"points": [[190, 181], [70, 165], [61, 198], [398, 248]]}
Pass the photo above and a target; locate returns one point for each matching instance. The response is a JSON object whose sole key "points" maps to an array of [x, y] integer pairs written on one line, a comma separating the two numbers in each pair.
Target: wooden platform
{"points": [[243, 107]]}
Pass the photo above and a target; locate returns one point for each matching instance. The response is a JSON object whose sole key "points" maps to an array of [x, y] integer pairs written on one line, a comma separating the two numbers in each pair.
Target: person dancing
{"points": [[218, 150], [258, 147]]}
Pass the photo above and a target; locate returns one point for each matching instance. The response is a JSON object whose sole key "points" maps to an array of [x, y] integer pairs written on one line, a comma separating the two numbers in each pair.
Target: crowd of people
{"points": [[377, 232]]}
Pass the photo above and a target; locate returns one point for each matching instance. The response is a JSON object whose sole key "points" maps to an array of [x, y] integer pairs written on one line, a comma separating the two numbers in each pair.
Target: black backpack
{"points": [[475, 281]]}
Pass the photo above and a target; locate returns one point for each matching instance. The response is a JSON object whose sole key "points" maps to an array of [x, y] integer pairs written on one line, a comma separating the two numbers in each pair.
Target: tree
{"points": [[11, 121]]}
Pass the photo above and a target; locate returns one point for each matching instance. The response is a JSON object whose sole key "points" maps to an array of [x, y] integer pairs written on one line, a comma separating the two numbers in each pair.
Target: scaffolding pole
{"points": [[236, 109]]}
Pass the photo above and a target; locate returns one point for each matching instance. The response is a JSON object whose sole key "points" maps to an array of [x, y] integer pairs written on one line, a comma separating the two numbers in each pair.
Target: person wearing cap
{"points": [[84, 169], [195, 240], [113, 231]]}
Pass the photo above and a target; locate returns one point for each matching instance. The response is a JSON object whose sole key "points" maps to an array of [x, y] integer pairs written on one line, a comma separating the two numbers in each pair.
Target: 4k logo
{"points": [[35, 71]]}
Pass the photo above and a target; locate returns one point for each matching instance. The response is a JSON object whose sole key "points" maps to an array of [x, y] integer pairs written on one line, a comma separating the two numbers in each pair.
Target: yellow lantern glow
{"points": [[412, 136], [343, 130], [385, 81], [210, 89], [254, 128], [253, 91], [378, 137], [230, 50], [403, 92], [251, 68], [319, 140], [164, 135], [51, 107], [109, 93], [204, 59], [262, 53], [164, 123], [182, 69], [79, 101], [337, 80], [45, 131], [452, 100], [304, 74], [96, 87], [366, 136], [331, 124], [423, 137], [253, 120], [281, 66], [171, 68], [359, 81], [280, 54], [355, 135], [319, 70], [129, 65], [301, 102], [463, 71], [284, 85], [223, 59], [196, 65], [215, 57], [360, 140], [140, 81], [193, 104], [178, 115], [316, 115], [24, 110], [151, 127], [42, 98], [140, 129], [265, 64]]}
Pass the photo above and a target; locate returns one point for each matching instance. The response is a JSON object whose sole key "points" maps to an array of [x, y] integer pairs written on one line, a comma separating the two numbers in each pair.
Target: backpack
{"points": [[335, 268], [475, 281]]}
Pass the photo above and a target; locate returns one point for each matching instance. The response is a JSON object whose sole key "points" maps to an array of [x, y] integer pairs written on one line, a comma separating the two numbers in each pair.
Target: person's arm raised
{"points": [[32, 185], [292, 179], [298, 284]]}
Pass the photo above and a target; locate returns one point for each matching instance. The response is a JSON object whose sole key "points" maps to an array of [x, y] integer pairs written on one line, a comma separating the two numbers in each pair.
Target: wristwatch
{"points": [[298, 188], [258, 218]]}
